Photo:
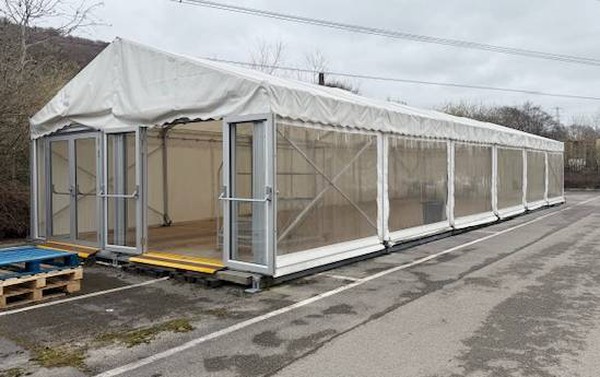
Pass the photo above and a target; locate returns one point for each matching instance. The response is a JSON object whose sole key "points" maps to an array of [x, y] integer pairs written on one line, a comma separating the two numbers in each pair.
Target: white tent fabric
{"points": [[129, 84]]}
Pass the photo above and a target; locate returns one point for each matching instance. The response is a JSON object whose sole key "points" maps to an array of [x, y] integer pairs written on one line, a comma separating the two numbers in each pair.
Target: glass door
{"points": [[85, 190], [72, 183], [61, 193], [121, 192], [247, 194]]}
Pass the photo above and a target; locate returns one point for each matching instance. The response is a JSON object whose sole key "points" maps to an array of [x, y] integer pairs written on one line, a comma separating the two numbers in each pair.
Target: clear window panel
{"points": [[556, 175], [85, 176], [121, 180], [248, 228], [121, 211], [417, 183], [60, 190], [472, 180], [510, 178], [327, 187], [41, 187], [536, 176]]}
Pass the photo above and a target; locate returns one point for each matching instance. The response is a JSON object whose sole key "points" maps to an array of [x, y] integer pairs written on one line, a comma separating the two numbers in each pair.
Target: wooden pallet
{"points": [[29, 260], [27, 289]]}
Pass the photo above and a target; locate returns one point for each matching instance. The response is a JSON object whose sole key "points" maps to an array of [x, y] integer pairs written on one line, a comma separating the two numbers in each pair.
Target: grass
{"points": [[135, 337], [13, 372], [56, 357], [217, 312]]}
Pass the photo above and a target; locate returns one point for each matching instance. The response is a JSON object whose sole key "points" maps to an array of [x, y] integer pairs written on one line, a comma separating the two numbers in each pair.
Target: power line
{"points": [[396, 34], [410, 81]]}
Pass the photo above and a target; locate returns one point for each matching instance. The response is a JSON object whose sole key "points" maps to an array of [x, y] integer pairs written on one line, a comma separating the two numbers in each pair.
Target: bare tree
{"points": [[316, 63], [65, 16], [265, 57], [268, 57], [32, 69]]}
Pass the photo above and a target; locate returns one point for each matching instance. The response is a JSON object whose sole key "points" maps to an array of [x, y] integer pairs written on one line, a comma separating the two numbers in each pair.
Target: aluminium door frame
{"points": [[70, 138], [267, 120], [139, 193]]}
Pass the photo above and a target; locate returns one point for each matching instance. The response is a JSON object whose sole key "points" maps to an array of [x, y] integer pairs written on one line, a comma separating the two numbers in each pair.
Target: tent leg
{"points": [[166, 219]]}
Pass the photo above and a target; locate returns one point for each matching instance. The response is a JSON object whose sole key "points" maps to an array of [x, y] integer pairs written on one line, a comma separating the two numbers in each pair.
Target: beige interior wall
{"points": [[194, 156], [510, 178], [536, 176], [556, 174], [194, 169], [417, 182], [472, 180]]}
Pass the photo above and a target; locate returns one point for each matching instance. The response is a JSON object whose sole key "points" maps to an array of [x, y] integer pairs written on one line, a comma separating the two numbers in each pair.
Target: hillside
{"points": [[27, 82]]}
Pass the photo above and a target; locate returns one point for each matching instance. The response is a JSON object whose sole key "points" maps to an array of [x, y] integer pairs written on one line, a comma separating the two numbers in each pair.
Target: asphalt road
{"points": [[522, 303], [517, 298]]}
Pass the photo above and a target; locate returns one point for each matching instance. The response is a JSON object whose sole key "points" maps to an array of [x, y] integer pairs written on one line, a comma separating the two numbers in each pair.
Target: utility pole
{"points": [[557, 114]]}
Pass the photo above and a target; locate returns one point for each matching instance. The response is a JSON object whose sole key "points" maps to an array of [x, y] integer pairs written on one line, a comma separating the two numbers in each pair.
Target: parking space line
{"points": [[340, 277], [81, 297], [484, 231], [244, 324]]}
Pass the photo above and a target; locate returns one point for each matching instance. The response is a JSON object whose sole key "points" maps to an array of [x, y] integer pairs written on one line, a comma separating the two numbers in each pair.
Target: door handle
{"points": [[268, 197], [133, 195]]}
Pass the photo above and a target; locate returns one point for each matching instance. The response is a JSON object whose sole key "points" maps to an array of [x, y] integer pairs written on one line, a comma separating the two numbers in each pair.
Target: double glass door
{"points": [[95, 201], [248, 194], [73, 189]]}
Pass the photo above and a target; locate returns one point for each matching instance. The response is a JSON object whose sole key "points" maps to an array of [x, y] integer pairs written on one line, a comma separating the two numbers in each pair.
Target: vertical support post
{"points": [[33, 192], [165, 177], [48, 178], [383, 203], [100, 187], [562, 170], [72, 166], [141, 178], [104, 190], [271, 181], [228, 165], [546, 179], [525, 178], [495, 180], [451, 165]]}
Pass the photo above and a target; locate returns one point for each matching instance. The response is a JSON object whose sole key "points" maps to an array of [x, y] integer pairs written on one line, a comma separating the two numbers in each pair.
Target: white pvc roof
{"points": [[129, 84]]}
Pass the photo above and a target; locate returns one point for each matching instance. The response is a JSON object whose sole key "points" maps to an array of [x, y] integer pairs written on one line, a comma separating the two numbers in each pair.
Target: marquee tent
{"points": [[146, 151]]}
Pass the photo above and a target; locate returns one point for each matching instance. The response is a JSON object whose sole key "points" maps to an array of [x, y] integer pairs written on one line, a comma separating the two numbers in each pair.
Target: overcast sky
{"points": [[558, 26]]}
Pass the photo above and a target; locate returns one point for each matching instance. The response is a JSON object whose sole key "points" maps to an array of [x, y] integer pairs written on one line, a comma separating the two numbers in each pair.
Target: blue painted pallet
{"points": [[27, 260]]}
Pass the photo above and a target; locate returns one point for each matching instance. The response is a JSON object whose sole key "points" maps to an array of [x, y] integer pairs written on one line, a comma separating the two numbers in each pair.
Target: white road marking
{"points": [[484, 231], [339, 277], [239, 326], [81, 297]]}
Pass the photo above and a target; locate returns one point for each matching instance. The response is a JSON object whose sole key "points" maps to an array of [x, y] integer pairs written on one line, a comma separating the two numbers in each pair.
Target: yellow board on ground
{"points": [[179, 262], [83, 252]]}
